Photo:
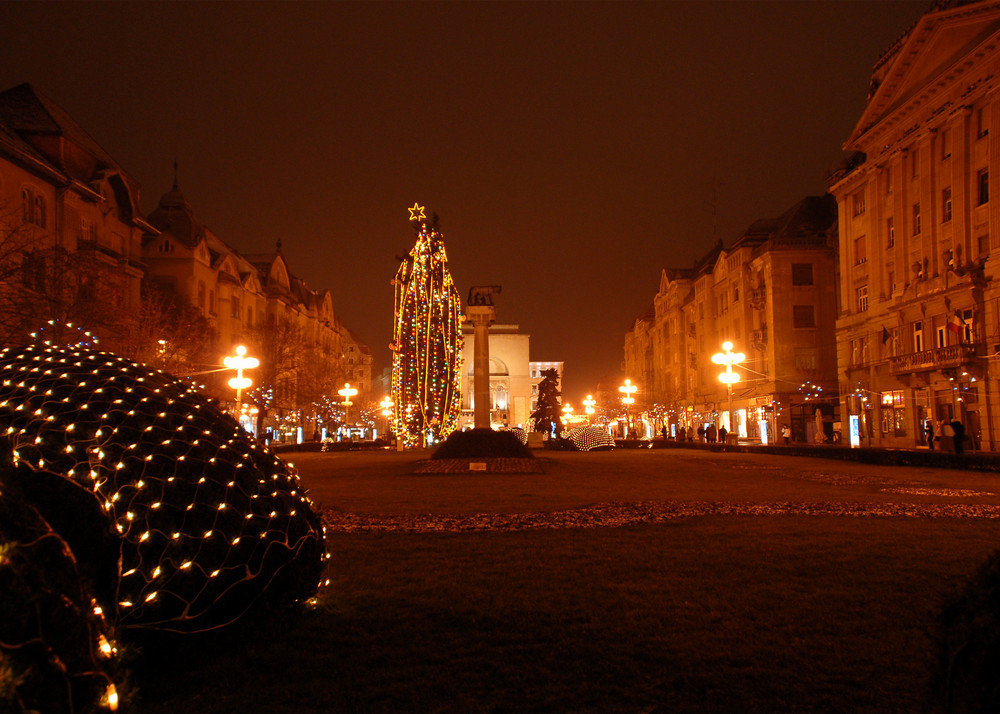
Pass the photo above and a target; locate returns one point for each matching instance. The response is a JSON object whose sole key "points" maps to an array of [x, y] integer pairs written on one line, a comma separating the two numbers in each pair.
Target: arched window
{"points": [[32, 207]]}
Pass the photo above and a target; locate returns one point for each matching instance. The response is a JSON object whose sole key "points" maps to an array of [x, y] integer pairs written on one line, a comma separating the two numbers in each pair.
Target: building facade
{"points": [[772, 295], [80, 261], [918, 334]]}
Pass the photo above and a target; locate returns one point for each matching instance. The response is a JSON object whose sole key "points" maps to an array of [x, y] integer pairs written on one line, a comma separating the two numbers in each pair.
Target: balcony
{"points": [[941, 358], [758, 298]]}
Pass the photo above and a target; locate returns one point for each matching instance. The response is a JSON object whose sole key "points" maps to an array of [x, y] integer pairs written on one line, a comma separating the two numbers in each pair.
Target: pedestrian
{"points": [[664, 432], [682, 434], [710, 433], [959, 430], [929, 433], [786, 433], [701, 432], [722, 434]]}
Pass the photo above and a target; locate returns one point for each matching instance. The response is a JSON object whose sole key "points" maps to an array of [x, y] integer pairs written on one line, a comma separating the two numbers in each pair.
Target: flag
{"points": [[956, 324], [885, 335]]}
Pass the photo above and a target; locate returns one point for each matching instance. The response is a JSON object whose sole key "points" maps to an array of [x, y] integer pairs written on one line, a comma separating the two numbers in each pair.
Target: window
{"points": [[862, 295], [916, 219], [802, 274], [201, 294], [894, 413], [166, 246], [982, 122], [915, 165], [234, 306], [945, 143], [892, 282], [32, 207], [890, 229], [736, 293], [860, 250], [983, 182], [803, 316], [918, 337], [859, 203], [805, 361], [946, 205], [940, 337]]}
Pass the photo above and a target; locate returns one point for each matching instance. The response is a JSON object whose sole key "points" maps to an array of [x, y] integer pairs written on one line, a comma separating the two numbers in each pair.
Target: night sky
{"points": [[571, 150]]}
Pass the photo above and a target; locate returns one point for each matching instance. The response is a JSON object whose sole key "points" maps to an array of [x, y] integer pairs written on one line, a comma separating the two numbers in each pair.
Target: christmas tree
{"points": [[427, 341]]}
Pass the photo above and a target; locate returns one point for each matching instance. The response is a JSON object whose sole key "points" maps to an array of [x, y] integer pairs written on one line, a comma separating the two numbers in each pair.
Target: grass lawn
{"points": [[710, 614]]}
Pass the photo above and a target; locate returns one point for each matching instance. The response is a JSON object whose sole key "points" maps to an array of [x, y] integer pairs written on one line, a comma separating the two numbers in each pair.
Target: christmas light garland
{"points": [[205, 522], [427, 342]]}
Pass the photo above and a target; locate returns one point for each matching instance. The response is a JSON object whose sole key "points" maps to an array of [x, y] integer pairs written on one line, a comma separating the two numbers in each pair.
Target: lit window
{"points": [[946, 205], [916, 219], [891, 231], [984, 186]]}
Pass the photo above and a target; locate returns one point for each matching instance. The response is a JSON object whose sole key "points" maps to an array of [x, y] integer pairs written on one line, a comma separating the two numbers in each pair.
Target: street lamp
{"points": [[386, 405], [240, 362], [628, 389], [589, 403], [729, 377], [567, 412]]}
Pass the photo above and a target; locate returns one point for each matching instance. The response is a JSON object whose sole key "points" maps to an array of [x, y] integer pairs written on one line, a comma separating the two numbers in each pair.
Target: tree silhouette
{"points": [[548, 411]]}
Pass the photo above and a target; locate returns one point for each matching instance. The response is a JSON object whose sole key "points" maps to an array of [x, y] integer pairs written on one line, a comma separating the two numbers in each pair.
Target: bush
{"points": [[57, 652], [971, 643], [483, 444], [178, 519]]}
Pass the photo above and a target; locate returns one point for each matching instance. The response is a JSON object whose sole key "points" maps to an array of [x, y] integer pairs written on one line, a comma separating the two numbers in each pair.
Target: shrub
{"points": [[182, 521], [482, 443], [56, 652]]}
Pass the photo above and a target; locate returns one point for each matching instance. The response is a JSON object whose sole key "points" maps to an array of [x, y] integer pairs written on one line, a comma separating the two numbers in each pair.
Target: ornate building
{"points": [[919, 331], [70, 227], [76, 250], [771, 294]]}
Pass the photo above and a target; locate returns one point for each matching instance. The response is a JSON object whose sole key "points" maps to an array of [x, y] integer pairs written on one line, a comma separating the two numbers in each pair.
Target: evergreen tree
{"points": [[548, 412], [427, 341]]}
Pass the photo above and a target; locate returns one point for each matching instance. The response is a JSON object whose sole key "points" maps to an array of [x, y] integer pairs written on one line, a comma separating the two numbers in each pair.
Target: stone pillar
{"points": [[481, 317]]}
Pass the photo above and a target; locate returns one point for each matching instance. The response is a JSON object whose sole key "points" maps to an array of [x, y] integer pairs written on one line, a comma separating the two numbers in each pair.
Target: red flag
{"points": [[956, 324]]}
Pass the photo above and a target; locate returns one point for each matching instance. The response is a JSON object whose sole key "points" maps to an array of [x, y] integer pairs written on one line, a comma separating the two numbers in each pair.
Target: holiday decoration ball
{"points": [[200, 523]]}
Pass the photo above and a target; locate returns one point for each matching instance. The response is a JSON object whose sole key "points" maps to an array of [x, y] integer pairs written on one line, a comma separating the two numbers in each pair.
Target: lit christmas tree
{"points": [[427, 341]]}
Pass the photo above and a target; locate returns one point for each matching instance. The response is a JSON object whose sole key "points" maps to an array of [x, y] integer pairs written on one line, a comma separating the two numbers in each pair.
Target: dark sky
{"points": [[571, 150]]}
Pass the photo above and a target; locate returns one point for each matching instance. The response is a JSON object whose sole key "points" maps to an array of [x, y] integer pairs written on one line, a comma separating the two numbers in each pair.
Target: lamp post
{"points": [[628, 389], [386, 405], [729, 377], [347, 392], [567, 412], [240, 362], [589, 403]]}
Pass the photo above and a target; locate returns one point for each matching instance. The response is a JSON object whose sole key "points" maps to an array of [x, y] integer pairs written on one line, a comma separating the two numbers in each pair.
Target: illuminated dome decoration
{"points": [[55, 648], [589, 438], [427, 341], [202, 524]]}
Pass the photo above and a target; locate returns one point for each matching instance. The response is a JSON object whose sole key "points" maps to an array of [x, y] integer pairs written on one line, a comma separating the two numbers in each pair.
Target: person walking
{"points": [[710, 433], [701, 432], [722, 434], [959, 437], [929, 433], [786, 433]]}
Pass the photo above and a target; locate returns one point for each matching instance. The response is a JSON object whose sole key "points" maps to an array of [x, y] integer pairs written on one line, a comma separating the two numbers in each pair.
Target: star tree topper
{"points": [[417, 212]]}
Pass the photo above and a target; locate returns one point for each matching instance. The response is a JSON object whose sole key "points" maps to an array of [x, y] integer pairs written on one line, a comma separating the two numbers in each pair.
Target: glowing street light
{"points": [[386, 405], [589, 403], [628, 389], [567, 412], [729, 377], [240, 362], [347, 392]]}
